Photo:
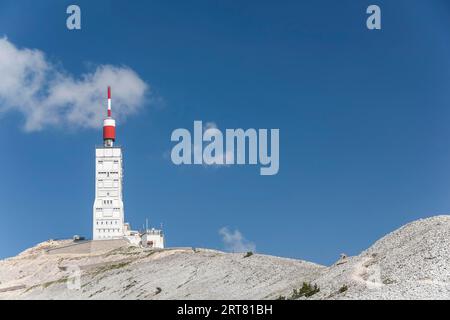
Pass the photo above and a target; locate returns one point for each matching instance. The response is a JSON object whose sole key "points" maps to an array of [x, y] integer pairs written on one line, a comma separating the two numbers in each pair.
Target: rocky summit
{"points": [[412, 262]]}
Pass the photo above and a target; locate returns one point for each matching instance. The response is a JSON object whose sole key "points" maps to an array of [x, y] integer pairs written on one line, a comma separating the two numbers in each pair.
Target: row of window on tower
{"points": [[101, 209], [101, 161], [108, 230], [107, 222], [107, 173]]}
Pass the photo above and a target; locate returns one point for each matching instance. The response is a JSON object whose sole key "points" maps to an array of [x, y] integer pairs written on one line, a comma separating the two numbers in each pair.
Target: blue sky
{"points": [[363, 118]]}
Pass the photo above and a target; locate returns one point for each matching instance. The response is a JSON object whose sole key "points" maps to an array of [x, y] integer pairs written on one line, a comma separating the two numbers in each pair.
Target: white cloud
{"points": [[209, 125], [48, 96], [235, 241]]}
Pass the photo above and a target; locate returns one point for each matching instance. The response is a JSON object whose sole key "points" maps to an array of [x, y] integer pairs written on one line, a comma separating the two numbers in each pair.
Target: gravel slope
{"points": [[412, 262], [135, 273]]}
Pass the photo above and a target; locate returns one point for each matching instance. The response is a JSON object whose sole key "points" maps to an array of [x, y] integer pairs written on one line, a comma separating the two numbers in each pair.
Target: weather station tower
{"points": [[108, 210]]}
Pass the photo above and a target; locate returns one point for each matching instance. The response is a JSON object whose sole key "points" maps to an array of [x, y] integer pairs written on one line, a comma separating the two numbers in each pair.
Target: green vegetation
{"points": [[127, 251], [111, 267], [48, 284], [248, 254], [307, 290], [343, 289]]}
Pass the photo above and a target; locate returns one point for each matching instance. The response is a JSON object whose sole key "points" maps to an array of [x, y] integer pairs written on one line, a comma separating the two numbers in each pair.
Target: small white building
{"points": [[152, 238]]}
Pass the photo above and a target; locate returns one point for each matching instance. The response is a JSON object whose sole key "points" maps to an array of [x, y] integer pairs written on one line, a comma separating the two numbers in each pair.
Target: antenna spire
{"points": [[109, 101], [109, 125]]}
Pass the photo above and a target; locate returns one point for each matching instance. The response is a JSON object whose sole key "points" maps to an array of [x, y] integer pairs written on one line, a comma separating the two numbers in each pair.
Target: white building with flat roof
{"points": [[152, 238]]}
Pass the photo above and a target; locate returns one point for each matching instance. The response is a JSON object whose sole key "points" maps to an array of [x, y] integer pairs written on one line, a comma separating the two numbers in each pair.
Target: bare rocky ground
{"points": [[412, 262], [125, 272]]}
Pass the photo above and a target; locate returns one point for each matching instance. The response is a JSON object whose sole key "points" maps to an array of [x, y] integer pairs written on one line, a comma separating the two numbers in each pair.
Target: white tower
{"points": [[108, 213]]}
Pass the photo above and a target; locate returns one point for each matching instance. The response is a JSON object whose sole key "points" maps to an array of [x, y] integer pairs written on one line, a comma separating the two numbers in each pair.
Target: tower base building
{"points": [[108, 204]]}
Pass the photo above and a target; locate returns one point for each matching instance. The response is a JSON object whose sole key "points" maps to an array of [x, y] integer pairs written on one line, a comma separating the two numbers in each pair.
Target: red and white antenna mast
{"points": [[109, 125]]}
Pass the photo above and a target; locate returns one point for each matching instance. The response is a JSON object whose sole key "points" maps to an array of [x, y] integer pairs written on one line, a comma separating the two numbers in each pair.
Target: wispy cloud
{"points": [[46, 95], [234, 241]]}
